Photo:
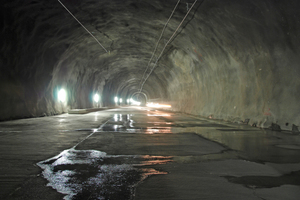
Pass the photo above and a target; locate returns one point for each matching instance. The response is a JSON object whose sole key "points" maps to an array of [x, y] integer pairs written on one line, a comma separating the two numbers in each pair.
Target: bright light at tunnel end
{"points": [[157, 105], [135, 103], [62, 95]]}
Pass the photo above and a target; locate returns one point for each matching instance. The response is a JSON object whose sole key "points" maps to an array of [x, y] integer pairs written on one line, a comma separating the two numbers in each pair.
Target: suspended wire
{"points": [[167, 44], [159, 40], [82, 25]]}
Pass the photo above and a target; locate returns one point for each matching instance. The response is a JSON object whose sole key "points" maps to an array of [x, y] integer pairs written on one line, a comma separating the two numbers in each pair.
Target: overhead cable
{"points": [[167, 44], [82, 25], [159, 41]]}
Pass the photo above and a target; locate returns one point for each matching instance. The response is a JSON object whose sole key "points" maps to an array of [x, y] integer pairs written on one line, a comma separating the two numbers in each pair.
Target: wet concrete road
{"points": [[138, 153]]}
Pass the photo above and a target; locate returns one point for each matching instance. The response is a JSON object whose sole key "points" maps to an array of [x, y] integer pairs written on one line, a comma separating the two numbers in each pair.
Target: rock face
{"points": [[230, 59]]}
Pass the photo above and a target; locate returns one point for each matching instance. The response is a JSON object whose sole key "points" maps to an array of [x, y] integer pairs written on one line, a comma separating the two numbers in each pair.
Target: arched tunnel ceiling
{"points": [[230, 59]]}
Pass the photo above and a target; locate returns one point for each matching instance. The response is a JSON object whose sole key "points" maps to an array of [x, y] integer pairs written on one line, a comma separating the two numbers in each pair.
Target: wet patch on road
{"points": [[124, 124], [91, 174], [236, 130], [113, 127], [266, 181], [209, 125], [157, 128]]}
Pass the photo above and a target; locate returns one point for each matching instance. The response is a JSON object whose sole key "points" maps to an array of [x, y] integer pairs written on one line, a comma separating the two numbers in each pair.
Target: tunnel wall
{"points": [[234, 60], [239, 62]]}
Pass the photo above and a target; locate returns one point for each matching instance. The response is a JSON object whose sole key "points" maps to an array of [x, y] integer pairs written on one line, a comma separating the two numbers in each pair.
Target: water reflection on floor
{"points": [[252, 143], [95, 175], [125, 123], [90, 174]]}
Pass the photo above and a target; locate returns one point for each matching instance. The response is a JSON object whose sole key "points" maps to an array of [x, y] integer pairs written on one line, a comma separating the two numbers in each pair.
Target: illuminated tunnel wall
{"points": [[231, 59]]}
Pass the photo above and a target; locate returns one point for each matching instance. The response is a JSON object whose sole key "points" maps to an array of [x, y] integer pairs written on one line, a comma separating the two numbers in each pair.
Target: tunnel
{"points": [[231, 60], [81, 82]]}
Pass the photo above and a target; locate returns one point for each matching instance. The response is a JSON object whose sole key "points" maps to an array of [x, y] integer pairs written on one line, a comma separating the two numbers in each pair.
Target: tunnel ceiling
{"points": [[230, 59]]}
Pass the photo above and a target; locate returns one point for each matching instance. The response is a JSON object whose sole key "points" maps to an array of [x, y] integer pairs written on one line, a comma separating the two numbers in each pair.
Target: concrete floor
{"points": [[138, 153]]}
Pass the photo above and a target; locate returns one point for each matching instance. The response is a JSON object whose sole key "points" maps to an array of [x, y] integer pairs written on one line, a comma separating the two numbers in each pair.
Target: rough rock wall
{"points": [[231, 59], [240, 61]]}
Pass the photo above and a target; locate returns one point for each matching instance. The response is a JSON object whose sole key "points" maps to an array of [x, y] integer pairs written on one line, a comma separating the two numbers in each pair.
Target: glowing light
{"points": [[116, 117], [153, 130], [62, 95], [135, 103], [157, 105], [96, 98], [116, 99], [121, 100], [128, 100], [152, 115]]}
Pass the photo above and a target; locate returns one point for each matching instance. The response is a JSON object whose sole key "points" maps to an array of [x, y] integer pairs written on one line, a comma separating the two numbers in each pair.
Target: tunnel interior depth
{"points": [[229, 59]]}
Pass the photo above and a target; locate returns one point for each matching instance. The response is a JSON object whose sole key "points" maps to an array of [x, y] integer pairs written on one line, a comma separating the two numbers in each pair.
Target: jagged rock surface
{"points": [[231, 59]]}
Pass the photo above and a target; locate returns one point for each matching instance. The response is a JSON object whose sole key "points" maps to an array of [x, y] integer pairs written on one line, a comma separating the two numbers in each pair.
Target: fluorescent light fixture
{"points": [[96, 98], [116, 99]]}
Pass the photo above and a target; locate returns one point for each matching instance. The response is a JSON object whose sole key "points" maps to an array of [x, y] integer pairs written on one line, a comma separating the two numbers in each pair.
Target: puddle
{"points": [[113, 127], [124, 123], [91, 174], [266, 181], [257, 145], [141, 130]]}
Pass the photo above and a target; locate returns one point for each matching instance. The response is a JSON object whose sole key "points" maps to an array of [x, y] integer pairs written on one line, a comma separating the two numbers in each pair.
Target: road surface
{"points": [[141, 153]]}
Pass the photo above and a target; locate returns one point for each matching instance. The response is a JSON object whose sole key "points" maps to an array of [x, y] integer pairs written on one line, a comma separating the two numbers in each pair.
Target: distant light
{"points": [[96, 98], [116, 99], [136, 103], [151, 115], [157, 105], [128, 100], [62, 95], [121, 100]]}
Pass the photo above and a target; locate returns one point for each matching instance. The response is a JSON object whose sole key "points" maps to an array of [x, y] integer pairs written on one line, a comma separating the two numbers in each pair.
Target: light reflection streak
{"points": [[153, 130], [131, 123], [156, 160], [157, 105], [116, 117], [151, 115], [116, 127]]}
